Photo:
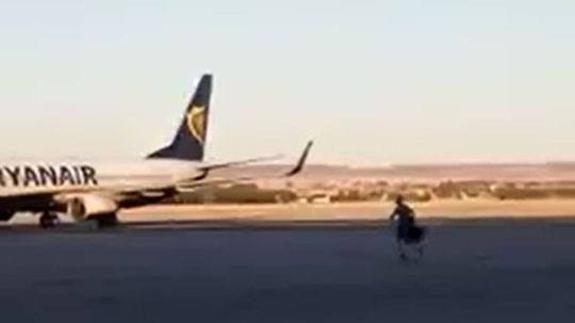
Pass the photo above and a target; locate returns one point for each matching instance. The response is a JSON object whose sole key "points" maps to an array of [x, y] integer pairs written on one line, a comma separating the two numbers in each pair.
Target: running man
{"points": [[406, 230]]}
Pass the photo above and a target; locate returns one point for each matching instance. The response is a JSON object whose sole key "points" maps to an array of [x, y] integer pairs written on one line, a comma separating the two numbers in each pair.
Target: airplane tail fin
{"points": [[190, 140]]}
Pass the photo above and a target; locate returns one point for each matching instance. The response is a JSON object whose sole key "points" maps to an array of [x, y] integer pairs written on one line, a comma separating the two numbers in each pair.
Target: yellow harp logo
{"points": [[196, 120]]}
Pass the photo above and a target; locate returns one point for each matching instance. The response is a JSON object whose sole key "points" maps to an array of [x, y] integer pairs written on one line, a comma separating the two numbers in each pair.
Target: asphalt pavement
{"points": [[519, 272]]}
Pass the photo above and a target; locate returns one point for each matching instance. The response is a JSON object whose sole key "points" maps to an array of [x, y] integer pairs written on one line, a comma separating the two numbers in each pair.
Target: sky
{"points": [[373, 82]]}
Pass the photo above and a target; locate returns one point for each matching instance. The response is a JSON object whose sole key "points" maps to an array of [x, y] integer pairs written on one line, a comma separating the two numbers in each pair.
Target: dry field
{"points": [[456, 209]]}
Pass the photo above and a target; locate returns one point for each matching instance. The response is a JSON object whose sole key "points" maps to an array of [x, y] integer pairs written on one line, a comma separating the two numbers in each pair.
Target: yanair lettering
{"points": [[43, 175], [48, 176], [89, 175], [30, 177], [13, 175], [66, 177]]}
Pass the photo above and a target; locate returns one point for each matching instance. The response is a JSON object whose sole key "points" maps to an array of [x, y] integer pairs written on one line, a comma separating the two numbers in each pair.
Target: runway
{"points": [[480, 272]]}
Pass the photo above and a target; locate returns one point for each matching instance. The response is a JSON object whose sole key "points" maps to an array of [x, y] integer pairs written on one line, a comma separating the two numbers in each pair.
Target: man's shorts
{"points": [[410, 233]]}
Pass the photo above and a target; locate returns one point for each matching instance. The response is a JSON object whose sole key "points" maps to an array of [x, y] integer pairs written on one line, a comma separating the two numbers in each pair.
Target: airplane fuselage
{"points": [[30, 176]]}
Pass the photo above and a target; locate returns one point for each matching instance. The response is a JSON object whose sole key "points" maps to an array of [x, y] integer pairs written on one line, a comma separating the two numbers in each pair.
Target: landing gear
{"points": [[108, 220], [6, 216], [49, 220]]}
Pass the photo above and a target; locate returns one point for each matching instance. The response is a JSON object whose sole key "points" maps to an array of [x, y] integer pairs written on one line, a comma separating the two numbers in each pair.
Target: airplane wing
{"points": [[150, 190], [202, 180], [214, 166], [301, 162], [298, 167]]}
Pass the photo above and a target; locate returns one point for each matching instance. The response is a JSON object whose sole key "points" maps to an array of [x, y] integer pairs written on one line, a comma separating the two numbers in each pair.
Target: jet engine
{"points": [[85, 206]]}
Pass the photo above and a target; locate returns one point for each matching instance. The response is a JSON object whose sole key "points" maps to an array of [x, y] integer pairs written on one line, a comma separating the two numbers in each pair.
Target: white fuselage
{"points": [[38, 176]]}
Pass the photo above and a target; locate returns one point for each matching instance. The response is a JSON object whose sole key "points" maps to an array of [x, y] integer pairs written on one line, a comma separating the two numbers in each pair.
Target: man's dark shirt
{"points": [[404, 214]]}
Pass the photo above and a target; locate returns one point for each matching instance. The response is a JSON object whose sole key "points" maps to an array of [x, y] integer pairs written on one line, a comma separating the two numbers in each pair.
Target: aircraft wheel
{"points": [[49, 220], [6, 215], [107, 220]]}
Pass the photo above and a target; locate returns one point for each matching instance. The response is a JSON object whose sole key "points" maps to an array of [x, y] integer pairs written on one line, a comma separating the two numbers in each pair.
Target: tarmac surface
{"points": [[480, 272]]}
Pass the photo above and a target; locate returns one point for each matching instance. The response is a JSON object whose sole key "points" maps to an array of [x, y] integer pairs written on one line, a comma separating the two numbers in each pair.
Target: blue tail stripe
{"points": [[190, 140]]}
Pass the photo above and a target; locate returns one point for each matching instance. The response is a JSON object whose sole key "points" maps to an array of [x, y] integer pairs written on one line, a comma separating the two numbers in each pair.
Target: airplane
{"points": [[89, 191]]}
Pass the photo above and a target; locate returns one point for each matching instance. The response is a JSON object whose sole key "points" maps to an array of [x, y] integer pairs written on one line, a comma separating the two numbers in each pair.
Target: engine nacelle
{"points": [[83, 206]]}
